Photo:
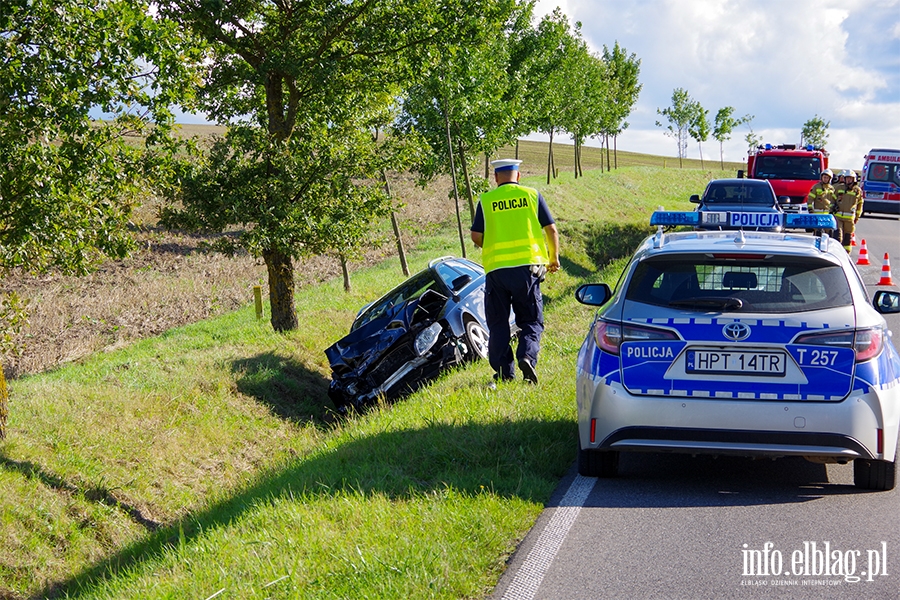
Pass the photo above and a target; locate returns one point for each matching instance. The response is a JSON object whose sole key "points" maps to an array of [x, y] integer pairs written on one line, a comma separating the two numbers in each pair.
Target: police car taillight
{"points": [[609, 336], [867, 343]]}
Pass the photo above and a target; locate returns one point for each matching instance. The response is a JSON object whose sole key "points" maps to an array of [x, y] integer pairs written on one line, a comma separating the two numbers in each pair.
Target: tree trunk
{"points": [[517, 148], [699, 145], [608, 168], [575, 157], [550, 158], [465, 168], [615, 152], [281, 289], [462, 241], [601, 155], [4, 404], [345, 272], [396, 227], [721, 156], [487, 165]]}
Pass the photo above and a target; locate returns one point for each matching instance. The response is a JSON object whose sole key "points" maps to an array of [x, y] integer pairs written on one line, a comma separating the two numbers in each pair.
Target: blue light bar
{"points": [[810, 221], [674, 217]]}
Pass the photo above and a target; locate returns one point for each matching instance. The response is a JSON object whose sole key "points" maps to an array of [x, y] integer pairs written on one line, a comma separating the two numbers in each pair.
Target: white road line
{"points": [[530, 575]]}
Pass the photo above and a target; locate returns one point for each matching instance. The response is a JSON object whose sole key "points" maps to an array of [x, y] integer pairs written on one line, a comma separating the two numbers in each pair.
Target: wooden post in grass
{"points": [[4, 404], [346, 272], [257, 299]]}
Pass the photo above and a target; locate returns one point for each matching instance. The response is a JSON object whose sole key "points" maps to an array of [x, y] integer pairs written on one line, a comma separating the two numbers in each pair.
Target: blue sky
{"points": [[783, 61]]}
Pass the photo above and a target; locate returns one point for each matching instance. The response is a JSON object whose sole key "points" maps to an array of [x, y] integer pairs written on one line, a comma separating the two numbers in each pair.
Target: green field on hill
{"points": [[208, 462]]}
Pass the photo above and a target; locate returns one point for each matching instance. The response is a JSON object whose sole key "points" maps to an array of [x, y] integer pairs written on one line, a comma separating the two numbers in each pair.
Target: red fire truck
{"points": [[792, 171]]}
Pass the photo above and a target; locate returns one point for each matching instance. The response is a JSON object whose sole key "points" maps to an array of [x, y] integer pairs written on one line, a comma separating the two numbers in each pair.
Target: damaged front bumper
{"points": [[401, 370]]}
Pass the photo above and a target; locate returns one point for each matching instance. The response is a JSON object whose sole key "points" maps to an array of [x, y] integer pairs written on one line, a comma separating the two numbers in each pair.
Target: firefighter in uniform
{"points": [[510, 225], [847, 207], [821, 196]]}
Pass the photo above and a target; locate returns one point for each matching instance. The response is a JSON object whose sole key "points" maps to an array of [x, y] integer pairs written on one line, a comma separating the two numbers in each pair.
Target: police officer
{"points": [[510, 225], [848, 207]]}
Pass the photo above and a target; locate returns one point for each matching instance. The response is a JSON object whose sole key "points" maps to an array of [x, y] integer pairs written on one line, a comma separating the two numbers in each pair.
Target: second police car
{"points": [[740, 343]]}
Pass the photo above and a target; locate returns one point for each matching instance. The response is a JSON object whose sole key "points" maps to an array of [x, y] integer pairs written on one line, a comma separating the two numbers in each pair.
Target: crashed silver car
{"points": [[432, 321]]}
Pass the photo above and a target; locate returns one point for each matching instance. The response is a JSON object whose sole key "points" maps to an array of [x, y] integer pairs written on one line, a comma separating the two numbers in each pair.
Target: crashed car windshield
{"points": [[450, 273], [410, 290]]}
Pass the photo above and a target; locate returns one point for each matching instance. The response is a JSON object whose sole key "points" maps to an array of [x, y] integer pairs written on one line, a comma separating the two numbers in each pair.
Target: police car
{"points": [[740, 343]]}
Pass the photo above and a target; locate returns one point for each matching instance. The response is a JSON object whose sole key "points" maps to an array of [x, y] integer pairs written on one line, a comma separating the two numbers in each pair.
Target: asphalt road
{"points": [[673, 526]]}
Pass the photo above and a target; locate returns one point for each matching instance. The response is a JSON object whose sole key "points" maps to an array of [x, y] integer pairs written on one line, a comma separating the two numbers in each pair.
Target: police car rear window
{"points": [[770, 285]]}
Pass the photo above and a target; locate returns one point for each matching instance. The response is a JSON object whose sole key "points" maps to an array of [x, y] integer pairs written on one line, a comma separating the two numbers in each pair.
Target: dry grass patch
{"points": [[171, 280]]}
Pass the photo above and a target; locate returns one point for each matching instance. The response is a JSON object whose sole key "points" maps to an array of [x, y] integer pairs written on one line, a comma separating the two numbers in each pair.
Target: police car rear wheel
{"points": [[477, 339], [878, 475], [598, 463]]}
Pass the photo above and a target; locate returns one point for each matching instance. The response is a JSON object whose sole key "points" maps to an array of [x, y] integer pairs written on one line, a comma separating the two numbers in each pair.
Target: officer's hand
{"points": [[553, 267]]}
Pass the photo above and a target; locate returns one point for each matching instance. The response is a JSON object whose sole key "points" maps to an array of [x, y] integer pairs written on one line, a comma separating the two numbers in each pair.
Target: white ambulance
{"points": [[881, 181]]}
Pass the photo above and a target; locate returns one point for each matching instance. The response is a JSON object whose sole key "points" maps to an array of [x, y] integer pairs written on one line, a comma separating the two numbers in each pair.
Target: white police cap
{"points": [[506, 164]]}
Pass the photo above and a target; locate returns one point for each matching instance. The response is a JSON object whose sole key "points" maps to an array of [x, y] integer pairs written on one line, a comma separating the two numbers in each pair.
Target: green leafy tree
{"points": [[699, 128], [679, 116], [300, 86], [753, 140], [623, 89], [458, 106], [68, 183], [546, 69], [724, 126], [587, 88], [815, 132]]}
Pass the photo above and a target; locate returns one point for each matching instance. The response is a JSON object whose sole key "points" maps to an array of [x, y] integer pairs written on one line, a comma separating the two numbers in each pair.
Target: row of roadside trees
{"points": [[306, 91], [687, 119]]}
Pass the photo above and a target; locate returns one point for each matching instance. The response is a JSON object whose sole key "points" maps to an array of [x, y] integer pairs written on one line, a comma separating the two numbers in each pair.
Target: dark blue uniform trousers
{"points": [[520, 289]]}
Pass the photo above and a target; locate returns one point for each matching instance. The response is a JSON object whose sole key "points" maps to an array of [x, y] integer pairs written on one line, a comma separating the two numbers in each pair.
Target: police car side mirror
{"points": [[695, 199], [593, 294], [887, 302]]}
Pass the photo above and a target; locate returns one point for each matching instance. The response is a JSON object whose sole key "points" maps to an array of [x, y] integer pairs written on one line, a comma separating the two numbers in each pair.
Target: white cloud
{"points": [[782, 61]]}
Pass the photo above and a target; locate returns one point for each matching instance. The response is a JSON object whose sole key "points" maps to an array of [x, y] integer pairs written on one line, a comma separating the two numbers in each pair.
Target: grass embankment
{"points": [[204, 461]]}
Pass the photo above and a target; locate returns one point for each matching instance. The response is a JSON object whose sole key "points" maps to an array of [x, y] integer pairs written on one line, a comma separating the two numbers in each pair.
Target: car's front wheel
{"points": [[598, 463], [878, 475], [477, 339]]}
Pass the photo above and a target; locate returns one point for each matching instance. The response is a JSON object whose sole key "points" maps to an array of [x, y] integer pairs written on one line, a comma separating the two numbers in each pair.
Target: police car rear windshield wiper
{"points": [[723, 302]]}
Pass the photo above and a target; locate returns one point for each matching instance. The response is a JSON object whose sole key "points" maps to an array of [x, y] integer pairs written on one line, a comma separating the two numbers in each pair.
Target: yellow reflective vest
{"points": [[513, 235]]}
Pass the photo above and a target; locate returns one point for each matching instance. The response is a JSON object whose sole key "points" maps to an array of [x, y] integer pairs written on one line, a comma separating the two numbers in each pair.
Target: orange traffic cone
{"points": [[853, 239], [886, 272], [863, 254]]}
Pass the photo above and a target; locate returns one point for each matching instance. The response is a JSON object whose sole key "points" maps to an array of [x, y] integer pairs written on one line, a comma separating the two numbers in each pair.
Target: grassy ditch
{"points": [[206, 461]]}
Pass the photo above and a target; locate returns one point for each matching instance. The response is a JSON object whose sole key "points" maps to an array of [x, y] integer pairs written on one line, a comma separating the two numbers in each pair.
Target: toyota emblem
{"points": [[736, 331]]}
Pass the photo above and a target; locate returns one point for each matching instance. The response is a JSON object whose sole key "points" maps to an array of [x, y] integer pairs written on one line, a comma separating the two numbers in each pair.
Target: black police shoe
{"points": [[528, 371]]}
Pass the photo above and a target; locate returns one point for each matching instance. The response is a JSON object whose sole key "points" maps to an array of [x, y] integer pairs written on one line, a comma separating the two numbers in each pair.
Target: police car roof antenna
{"points": [[658, 238], [739, 238], [822, 242]]}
